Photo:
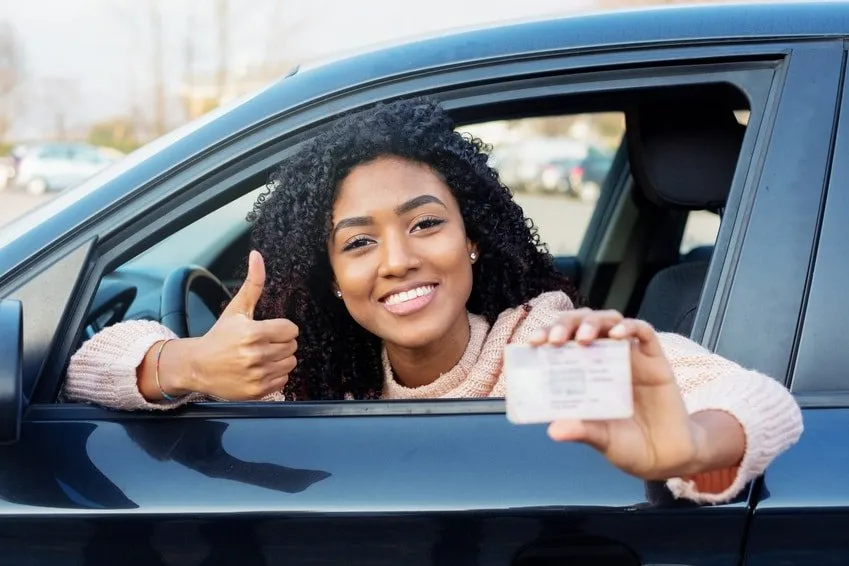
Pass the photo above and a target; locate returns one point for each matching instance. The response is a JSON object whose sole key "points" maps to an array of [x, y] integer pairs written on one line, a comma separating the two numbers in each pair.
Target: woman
{"points": [[399, 267]]}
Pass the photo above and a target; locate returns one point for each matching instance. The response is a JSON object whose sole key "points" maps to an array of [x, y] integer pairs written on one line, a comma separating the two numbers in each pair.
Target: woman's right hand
{"points": [[239, 358]]}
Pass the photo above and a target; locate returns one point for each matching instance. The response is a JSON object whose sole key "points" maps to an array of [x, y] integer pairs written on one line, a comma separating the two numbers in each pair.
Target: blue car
{"points": [[452, 481]]}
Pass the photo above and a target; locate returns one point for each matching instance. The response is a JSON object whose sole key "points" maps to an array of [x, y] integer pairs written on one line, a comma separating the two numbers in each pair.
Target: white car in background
{"points": [[55, 166]]}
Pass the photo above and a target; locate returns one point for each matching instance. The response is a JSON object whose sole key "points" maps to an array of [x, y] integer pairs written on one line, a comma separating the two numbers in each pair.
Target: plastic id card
{"points": [[548, 383]]}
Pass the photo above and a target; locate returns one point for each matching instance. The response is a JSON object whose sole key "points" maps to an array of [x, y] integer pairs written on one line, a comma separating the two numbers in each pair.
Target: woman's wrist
{"points": [[168, 370], [720, 441], [176, 367]]}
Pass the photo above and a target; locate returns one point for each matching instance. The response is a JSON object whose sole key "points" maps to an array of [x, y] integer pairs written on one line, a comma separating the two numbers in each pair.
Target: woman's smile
{"points": [[409, 301]]}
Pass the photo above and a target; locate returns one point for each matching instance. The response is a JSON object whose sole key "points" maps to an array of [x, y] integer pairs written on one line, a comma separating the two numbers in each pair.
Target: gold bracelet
{"points": [[158, 356]]}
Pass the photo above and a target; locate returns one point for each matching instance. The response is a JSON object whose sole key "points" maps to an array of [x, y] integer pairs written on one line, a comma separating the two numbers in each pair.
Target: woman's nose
{"points": [[397, 257]]}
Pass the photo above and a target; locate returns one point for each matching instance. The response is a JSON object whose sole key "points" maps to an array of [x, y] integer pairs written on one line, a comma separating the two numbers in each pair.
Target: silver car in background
{"points": [[55, 166]]}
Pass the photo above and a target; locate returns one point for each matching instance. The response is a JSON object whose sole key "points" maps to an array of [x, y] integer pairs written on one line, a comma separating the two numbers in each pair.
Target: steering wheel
{"points": [[177, 291]]}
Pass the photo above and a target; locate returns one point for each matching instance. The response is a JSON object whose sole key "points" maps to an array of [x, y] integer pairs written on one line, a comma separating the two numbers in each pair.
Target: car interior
{"points": [[678, 156]]}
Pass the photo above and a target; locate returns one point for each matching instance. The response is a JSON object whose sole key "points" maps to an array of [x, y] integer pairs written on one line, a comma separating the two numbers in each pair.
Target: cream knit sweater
{"points": [[103, 372]]}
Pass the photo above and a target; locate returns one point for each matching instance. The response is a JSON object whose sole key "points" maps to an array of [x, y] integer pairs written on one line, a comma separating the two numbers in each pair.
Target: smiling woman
{"points": [[404, 269], [392, 263]]}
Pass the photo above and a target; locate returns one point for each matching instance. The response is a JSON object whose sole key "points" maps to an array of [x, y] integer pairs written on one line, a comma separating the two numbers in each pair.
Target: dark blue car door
{"points": [[448, 482], [802, 513], [411, 484]]}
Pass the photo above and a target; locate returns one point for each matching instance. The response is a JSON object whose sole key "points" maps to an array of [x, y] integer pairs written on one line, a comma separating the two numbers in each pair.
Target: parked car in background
{"points": [[540, 165], [55, 166], [7, 170], [591, 173], [561, 175], [578, 175]]}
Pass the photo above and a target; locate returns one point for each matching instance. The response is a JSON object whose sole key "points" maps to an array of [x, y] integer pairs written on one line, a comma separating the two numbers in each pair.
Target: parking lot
{"points": [[14, 204]]}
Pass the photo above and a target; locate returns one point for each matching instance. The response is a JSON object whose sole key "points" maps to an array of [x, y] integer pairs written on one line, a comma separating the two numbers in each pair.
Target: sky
{"points": [[93, 56]]}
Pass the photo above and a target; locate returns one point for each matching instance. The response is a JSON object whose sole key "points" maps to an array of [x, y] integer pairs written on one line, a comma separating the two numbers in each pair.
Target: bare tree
{"points": [[143, 24], [222, 20], [157, 54], [59, 97], [189, 63], [284, 28], [11, 75]]}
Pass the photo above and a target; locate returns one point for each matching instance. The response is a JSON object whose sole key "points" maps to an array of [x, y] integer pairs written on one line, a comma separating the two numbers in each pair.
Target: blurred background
{"points": [[84, 82]]}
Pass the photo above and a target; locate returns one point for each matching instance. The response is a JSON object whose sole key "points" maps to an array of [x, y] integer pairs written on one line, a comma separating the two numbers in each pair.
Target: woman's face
{"points": [[399, 253]]}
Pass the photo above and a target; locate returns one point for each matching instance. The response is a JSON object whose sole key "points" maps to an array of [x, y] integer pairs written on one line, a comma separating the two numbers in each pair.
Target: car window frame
{"points": [[767, 249], [118, 245], [823, 327]]}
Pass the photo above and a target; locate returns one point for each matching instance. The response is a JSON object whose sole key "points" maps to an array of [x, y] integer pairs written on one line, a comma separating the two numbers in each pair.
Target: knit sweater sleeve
{"points": [[768, 413], [103, 370]]}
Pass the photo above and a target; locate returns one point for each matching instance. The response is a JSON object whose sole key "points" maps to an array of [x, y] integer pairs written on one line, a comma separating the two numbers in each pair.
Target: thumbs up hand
{"points": [[241, 358]]}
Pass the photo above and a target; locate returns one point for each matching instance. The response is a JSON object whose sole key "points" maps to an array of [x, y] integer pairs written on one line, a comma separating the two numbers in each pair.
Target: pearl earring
{"points": [[473, 256], [338, 293]]}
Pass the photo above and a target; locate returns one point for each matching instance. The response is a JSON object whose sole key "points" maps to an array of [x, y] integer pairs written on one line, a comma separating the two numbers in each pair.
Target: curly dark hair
{"points": [[292, 224]]}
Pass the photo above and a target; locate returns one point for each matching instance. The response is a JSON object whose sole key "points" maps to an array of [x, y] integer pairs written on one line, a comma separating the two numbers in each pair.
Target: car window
{"points": [[701, 230], [87, 154], [51, 152], [555, 167], [201, 241]]}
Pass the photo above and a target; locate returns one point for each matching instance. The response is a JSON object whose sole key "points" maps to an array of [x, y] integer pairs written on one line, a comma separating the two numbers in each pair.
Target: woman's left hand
{"points": [[659, 441]]}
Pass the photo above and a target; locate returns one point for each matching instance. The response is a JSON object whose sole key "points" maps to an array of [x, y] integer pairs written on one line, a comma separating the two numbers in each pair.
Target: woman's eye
{"points": [[426, 223], [354, 244]]}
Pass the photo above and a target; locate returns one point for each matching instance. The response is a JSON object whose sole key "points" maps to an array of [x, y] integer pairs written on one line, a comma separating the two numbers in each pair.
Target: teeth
{"points": [[405, 296]]}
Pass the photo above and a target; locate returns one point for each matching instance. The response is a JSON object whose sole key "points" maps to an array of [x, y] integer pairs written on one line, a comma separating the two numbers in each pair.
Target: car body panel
{"points": [[802, 516], [781, 223], [490, 487], [820, 367]]}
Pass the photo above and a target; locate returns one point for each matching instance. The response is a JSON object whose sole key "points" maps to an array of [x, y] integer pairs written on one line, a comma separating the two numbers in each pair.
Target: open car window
{"points": [[569, 172], [556, 167], [202, 241]]}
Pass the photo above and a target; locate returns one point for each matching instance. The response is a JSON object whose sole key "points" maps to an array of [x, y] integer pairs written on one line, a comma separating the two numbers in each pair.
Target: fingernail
{"points": [[558, 334], [585, 332], [618, 329], [538, 336]]}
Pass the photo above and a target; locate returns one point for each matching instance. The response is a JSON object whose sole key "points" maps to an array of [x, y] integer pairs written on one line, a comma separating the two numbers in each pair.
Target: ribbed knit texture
{"points": [[103, 372]]}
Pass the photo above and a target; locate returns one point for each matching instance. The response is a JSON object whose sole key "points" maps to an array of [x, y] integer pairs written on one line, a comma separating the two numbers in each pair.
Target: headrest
{"points": [[684, 156]]}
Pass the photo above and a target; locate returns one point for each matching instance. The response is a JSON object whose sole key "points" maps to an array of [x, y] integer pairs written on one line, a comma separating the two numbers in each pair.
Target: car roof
{"points": [[654, 25]]}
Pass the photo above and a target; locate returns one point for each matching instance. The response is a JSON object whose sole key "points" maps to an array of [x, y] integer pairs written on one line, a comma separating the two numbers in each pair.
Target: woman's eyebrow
{"points": [[416, 202], [352, 222], [412, 204]]}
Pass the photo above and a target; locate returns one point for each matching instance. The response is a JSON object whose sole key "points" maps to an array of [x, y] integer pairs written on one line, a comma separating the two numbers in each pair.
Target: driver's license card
{"points": [[548, 383]]}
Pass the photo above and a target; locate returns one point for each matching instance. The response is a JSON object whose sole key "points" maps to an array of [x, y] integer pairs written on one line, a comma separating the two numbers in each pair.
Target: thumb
{"points": [[248, 295], [594, 433]]}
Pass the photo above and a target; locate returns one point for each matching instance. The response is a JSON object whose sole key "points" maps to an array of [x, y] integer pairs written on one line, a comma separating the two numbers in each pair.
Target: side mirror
{"points": [[11, 369]]}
